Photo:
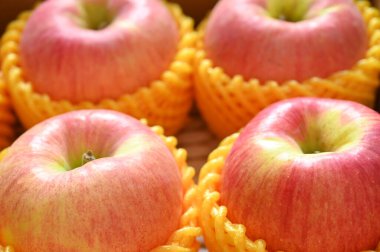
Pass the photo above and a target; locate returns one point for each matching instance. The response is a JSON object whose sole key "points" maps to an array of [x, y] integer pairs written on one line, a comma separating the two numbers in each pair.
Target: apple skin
{"points": [[326, 201], [129, 199], [67, 61], [243, 39]]}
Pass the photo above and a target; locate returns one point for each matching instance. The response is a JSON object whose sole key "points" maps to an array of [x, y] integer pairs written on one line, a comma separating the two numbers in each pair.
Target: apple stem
{"points": [[87, 157]]}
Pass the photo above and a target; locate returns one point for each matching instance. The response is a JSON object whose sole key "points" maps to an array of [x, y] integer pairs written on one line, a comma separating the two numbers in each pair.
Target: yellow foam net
{"points": [[227, 103], [7, 118], [220, 234], [6, 249], [165, 102], [184, 239]]}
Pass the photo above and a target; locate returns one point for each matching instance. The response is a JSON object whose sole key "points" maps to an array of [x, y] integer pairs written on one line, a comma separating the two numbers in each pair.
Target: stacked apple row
{"points": [[303, 175]]}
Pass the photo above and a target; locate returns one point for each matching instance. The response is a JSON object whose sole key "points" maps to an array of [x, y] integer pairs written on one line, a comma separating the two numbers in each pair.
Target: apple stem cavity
{"points": [[95, 16], [288, 10], [87, 157]]}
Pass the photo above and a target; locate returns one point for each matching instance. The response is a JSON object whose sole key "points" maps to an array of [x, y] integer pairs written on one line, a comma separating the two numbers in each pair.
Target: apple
{"points": [[304, 175], [92, 50], [89, 180], [285, 40]]}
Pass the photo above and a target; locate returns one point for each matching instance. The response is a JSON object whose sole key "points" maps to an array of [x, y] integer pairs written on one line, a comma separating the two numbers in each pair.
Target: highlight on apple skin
{"points": [[94, 50], [89, 180], [284, 40], [304, 175]]}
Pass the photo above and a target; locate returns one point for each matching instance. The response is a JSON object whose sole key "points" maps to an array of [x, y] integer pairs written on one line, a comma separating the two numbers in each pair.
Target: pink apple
{"points": [[304, 175], [285, 39], [55, 197], [91, 50]]}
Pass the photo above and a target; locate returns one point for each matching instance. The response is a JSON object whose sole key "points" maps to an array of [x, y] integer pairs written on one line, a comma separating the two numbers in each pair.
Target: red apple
{"points": [[284, 40], [55, 197], [304, 175], [97, 49]]}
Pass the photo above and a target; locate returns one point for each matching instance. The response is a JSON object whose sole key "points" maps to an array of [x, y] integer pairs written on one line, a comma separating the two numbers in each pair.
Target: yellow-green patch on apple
{"points": [[331, 131]]}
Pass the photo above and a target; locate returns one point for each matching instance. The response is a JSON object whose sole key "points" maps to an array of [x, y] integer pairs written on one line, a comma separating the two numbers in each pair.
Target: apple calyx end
{"points": [[88, 156], [288, 10], [95, 16]]}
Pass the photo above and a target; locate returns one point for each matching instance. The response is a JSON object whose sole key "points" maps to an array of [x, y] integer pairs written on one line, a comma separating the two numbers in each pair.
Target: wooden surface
{"points": [[198, 141]]}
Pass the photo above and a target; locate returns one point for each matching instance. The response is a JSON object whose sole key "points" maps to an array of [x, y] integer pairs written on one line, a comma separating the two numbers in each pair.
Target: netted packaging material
{"points": [[164, 102], [184, 239], [6, 249], [220, 234], [7, 118], [227, 103]]}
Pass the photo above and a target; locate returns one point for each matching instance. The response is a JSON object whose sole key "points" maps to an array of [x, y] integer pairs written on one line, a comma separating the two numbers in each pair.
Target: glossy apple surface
{"points": [[92, 50], [128, 199], [304, 175], [285, 40]]}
